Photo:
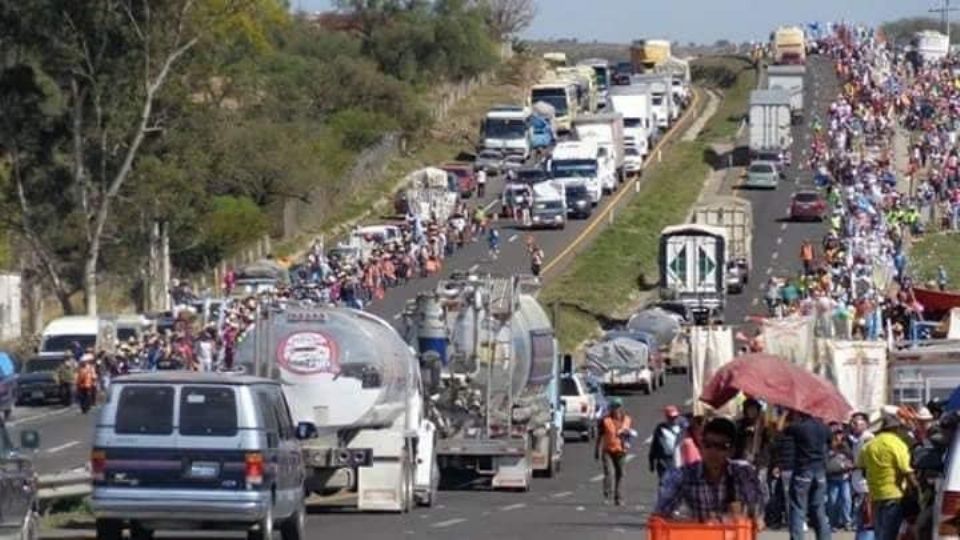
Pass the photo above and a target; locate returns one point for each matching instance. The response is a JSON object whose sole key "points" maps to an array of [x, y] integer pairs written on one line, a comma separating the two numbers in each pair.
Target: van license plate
{"points": [[36, 394], [204, 469]]}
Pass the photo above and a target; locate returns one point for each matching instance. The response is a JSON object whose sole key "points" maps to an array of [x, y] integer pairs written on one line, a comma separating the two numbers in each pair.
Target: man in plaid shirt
{"points": [[717, 486]]}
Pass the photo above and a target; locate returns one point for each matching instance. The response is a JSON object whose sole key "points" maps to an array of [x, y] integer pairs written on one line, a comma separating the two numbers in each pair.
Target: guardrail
{"points": [[66, 485]]}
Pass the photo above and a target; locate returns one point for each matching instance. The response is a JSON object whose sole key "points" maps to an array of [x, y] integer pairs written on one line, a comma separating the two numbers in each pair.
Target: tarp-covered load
{"points": [[431, 192], [618, 354], [659, 322]]}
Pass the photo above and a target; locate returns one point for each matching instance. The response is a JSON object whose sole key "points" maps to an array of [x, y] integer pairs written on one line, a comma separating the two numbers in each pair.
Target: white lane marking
{"points": [[62, 447], [755, 301], [779, 240], [447, 523], [688, 402], [631, 457], [58, 412], [510, 507], [775, 255], [596, 478], [783, 226], [474, 267], [561, 495], [512, 238], [769, 271], [581, 508], [490, 205], [398, 315]]}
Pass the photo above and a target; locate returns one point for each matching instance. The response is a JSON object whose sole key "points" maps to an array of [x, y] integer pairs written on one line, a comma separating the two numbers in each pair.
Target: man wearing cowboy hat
{"points": [[886, 464]]}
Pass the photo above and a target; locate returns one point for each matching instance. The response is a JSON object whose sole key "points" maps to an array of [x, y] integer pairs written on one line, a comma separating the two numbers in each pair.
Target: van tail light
{"points": [[949, 525], [583, 408], [253, 468], [98, 465]]}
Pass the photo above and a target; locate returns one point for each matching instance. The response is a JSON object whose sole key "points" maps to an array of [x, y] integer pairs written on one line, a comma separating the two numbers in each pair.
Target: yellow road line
{"points": [[623, 189]]}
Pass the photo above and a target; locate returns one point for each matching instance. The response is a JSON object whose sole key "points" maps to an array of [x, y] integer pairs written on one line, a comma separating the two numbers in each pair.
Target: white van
{"points": [[98, 333], [132, 326]]}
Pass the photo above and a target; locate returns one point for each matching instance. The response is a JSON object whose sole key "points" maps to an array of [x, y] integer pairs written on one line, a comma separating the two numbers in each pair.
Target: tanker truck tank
{"points": [[497, 400], [353, 385]]}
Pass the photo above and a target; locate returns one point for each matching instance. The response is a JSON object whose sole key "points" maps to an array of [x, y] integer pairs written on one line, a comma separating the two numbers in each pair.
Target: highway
{"points": [[568, 506]]}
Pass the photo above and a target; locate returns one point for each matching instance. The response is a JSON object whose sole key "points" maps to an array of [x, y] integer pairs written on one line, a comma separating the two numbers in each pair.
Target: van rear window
{"points": [[208, 410], [145, 410]]}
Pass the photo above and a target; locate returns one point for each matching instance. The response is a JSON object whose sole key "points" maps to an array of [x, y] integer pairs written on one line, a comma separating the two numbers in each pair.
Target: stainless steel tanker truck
{"points": [[489, 357], [355, 385]]}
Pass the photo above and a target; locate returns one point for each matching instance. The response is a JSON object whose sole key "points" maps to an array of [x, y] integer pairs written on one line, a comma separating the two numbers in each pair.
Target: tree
{"points": [[105, 64], [507, 18]]}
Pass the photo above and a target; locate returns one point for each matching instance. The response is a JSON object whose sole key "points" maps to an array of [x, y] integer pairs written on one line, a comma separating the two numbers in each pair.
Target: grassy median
{"points": [[930, 251], [613, 272]]}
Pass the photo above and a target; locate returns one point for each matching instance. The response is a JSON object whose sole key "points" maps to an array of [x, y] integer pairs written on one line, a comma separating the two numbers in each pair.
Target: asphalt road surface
{"points": [[568, 506]]}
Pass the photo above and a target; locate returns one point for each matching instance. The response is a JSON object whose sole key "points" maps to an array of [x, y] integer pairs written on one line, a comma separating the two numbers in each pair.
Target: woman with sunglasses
{"points": [[717, 486]]}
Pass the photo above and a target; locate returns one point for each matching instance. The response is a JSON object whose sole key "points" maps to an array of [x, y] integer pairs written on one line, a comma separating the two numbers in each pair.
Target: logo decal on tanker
{"points": [[308, 353]]}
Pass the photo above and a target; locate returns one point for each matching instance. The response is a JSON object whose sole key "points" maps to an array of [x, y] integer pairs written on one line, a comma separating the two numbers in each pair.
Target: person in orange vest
{"points": [[807, 256], [87, 383], [613, 439]]}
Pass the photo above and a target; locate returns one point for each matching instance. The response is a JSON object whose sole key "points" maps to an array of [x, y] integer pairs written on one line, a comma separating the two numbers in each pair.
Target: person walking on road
{"points": [[481, 183], [611, 447], [665, 443], [87, 383], [886, 464], [536, 260], [807, 256], [808, 486], [493, 243]]}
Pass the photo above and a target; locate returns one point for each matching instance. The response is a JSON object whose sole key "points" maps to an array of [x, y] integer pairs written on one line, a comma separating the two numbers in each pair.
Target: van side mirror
{"points": [[306, 430], [29, 439]]}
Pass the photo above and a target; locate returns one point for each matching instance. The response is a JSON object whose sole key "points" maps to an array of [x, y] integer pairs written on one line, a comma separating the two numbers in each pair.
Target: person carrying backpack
{"points": [[665, 443]]}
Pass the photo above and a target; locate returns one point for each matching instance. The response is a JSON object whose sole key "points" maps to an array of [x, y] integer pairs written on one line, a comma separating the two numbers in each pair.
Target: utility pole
{"points": [[944, 10]]}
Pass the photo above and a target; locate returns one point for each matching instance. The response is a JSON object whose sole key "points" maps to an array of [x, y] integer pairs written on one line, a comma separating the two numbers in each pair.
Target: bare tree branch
{"points": [[509, 17]]}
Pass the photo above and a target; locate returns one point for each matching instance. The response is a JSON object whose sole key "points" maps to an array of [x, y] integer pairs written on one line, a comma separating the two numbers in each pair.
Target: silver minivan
{"points": [[194, 451]]}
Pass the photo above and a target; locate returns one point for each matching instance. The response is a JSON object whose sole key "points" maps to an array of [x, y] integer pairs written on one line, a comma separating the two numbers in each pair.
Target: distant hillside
{"points": [[618, 52]]}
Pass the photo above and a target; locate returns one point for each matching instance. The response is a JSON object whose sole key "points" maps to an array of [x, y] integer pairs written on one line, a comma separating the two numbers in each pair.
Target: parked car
{"points": [[579, 406], [39, 382], [807, 205], [222, 451], [579, 204], [466, 177], [762, 174], [8, 385], [18, 486], [489, 160]]}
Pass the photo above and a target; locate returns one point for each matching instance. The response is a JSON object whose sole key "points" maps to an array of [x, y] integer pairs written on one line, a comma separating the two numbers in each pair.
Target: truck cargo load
{"points": [[646, 54], [661, 92], [543, 126], [692, 259], [930, 46], [352, 381], [562, 96], [790, 79], [430, 191], [770, 120], [789, 45], [620, 363], [735, 214], [607, 130], [494, 385]]}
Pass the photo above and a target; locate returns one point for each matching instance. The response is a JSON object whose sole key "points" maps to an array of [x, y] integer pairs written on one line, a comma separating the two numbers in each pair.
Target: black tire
{"points": [[264, 530], [137, 532], [294, 527], [585, 436], [7, 414], [109, 529], [646, 389]]}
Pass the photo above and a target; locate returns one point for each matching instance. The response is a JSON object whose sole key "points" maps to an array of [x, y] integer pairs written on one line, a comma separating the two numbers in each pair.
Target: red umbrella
{"points": [[779, 382]]}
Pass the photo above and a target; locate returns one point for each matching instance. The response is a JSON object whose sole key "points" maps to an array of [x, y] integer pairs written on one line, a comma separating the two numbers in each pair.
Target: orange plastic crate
{"points": [[661, 529]]}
